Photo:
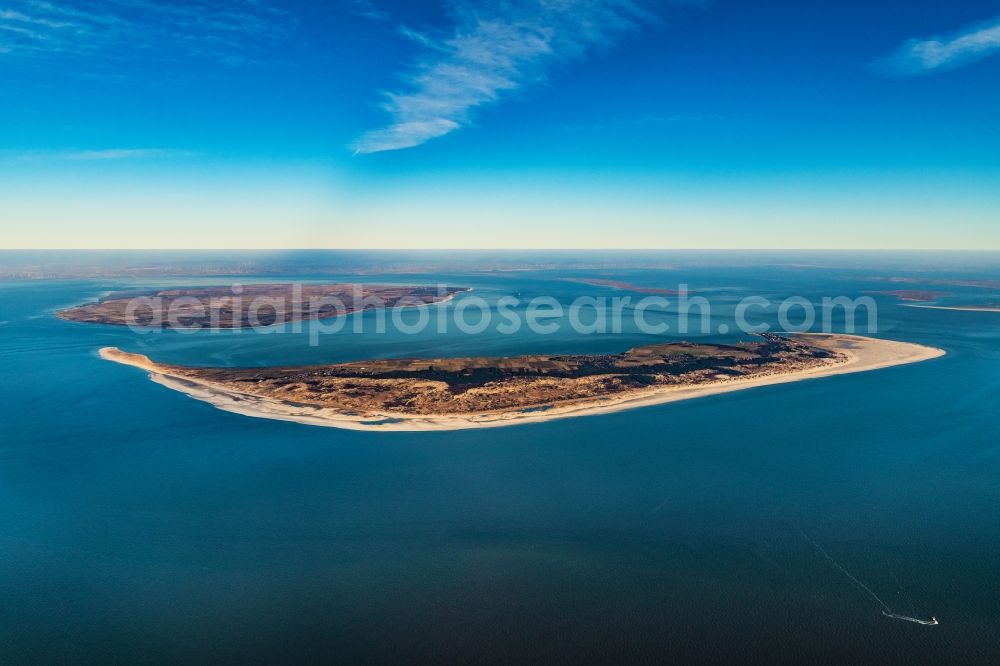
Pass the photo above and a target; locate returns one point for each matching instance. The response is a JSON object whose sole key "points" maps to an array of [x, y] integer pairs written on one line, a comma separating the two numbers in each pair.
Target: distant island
{"points": [[948, 282], [912, 295], [457, 393], [226, 307]]}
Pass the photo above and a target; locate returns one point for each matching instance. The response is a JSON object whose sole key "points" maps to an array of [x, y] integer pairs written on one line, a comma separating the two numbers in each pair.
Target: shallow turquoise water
{"points": [[141, 526]]}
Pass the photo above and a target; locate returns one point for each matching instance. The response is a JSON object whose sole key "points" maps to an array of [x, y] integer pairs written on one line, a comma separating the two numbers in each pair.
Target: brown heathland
{"points": [[249, 305]]}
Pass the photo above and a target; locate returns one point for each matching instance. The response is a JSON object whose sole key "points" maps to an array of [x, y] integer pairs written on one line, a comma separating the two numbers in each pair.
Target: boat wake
{"points": [[933, 622], [886, 611]]}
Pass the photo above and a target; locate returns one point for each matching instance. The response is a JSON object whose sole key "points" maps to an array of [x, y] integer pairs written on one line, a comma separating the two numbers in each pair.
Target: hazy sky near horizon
{"points": [[500, 124]]}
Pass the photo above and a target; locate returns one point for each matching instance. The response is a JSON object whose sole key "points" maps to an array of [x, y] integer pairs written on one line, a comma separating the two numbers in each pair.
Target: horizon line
{"points": [[497, 249]]}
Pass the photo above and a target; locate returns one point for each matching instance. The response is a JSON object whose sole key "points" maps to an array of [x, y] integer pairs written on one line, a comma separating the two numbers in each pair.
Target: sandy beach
{"points": [[860, 354]]}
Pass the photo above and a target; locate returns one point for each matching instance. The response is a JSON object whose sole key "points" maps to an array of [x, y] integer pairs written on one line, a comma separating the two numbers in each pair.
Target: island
{"points": [[949, 282], [478, 392], [911, 295], [244, 306]]}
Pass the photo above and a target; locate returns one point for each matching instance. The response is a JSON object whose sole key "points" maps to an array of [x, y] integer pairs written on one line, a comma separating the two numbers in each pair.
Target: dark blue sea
{"points": [[140, 526]]}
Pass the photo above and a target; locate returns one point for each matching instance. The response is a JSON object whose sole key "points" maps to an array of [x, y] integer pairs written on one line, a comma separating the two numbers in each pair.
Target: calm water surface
{"points": [[138, 525]]}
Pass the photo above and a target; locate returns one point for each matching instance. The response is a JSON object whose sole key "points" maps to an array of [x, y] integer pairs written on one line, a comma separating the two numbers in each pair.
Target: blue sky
{"points": [[552, 123]]}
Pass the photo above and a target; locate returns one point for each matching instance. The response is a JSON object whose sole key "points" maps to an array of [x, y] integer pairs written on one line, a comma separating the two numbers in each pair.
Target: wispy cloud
{"points": [[100, 155], [366, 9], [210, 28], [920, 56], [495, 47]]}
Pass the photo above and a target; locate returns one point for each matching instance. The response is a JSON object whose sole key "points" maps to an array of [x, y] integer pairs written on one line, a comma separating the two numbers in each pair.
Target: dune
{"points": [[852, 354]]}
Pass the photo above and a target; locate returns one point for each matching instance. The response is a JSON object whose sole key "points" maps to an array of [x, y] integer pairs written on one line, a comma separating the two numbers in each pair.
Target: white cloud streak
{"points": [[921, 56], [365, 9], [98, 155], [211, 28], [496, 47]]}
